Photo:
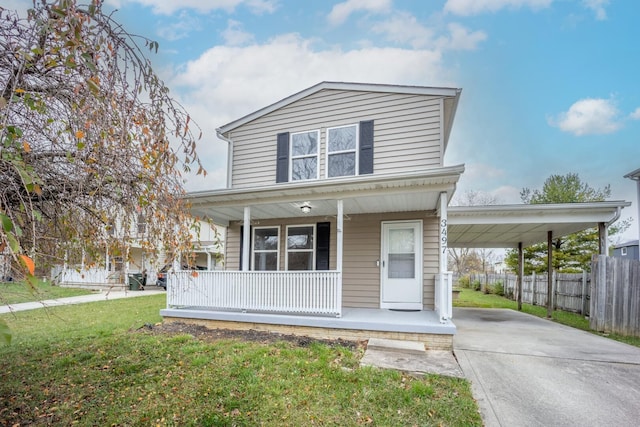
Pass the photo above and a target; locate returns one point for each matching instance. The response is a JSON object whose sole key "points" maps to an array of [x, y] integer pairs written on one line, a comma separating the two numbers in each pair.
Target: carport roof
{"points": [[504, 226]]}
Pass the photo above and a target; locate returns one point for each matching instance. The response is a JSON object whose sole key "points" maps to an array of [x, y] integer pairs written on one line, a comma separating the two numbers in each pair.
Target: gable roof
{"points": [[368, 87], [635, 175]]}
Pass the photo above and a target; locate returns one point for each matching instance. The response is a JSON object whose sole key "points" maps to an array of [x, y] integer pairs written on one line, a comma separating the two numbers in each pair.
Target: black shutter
{"points": [[366, 148], [282, 162], [323, 231], [242, 247]]}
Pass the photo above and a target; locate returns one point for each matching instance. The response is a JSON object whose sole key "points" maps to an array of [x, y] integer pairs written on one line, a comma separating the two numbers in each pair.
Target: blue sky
{"points": [[549, 86]]}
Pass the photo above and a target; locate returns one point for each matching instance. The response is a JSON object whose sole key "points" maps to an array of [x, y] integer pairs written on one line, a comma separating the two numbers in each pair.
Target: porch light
{"points": [[306, 207]]}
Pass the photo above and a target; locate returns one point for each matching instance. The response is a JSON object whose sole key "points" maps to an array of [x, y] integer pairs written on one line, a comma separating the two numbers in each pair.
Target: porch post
{"points": [[208, 260], [246, 238], [444, 295], [602, 239], [340, 221], [339, 244]]}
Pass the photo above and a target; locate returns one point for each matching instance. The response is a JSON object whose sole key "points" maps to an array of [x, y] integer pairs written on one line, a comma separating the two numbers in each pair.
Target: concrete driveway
{"points": [[527, 371]]}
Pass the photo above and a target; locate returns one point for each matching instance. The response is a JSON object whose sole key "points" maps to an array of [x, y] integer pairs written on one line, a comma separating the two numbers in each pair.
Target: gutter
{"points": [[229, 155], [616, 216]]}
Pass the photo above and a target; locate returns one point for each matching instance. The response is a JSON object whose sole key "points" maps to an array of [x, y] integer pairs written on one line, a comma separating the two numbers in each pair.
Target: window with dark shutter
{"points": [[366, 148]]}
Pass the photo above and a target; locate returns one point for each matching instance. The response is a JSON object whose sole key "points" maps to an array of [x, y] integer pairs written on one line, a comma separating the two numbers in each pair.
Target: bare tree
{"points": [[90, 138], [467, 260]]}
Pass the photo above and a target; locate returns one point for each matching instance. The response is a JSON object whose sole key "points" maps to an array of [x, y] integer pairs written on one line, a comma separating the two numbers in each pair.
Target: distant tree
{"points": [[469, 260], [90, 139], [571, 253]]}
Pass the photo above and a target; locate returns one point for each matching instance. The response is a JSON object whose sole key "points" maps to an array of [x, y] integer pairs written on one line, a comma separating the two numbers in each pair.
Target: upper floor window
{"points": [[304, 155], [342, 151]]}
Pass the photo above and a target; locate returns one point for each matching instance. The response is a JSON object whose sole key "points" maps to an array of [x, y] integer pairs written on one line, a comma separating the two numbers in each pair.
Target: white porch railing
{"points": [[88, 276], [292, 292], [444, 296]]}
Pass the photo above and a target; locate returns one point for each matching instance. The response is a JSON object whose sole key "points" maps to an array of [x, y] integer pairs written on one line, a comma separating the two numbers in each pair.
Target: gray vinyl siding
{"points": [[407, 132], [361, 250]]}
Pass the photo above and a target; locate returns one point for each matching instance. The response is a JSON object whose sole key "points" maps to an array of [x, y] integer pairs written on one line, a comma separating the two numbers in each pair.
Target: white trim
{"points": [[441, 137], [313, 246], [253, 247], [419, 266], [623, 251], [355, 150], [292, 157]]}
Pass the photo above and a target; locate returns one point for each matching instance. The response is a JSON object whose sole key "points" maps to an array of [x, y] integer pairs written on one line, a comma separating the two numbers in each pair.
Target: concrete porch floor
{"points": [[355, 324]]}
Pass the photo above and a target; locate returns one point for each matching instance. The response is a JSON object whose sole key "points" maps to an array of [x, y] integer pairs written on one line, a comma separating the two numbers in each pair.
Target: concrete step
{"points": [[397, 346]]}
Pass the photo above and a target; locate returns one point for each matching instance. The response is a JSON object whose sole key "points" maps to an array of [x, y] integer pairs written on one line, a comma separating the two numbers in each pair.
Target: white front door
{"points": [[401, 265]]}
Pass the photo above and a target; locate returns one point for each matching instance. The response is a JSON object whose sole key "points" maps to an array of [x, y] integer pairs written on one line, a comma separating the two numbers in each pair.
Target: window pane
{"points": [[266, 239], [266, 261], [341, 139], [300, 261], [342, 164], [304, 143], [402, 266], [304, 168], [401, 241], [300, 238]]}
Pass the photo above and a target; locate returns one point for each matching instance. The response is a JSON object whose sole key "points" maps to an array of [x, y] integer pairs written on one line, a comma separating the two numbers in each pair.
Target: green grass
{"points": [[90, 364], [471, 298], [19, 292]]}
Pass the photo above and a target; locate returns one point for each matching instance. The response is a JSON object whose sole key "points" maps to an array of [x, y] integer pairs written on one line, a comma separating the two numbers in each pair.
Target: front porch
{"points": [[355, 324], [307, 303]]}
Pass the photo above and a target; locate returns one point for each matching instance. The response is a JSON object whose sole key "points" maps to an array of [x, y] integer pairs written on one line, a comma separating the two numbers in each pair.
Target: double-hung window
{"points": [[304, 155], [265, 248], [300, 247], [342, 151]]}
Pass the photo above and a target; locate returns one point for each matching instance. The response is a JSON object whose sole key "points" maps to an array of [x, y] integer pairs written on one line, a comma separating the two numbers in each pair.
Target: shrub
{"points": [[464, 282], [476, 285], [498, 288]]}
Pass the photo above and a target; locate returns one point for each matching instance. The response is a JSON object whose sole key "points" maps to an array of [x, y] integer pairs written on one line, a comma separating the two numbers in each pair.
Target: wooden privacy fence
{"points": [[615, 301], [571, 292]]}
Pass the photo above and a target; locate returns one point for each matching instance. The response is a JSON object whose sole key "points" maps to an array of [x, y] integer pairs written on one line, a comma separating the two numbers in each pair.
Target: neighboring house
{"points": [[116, 271], [336, 218], [628, 250]]}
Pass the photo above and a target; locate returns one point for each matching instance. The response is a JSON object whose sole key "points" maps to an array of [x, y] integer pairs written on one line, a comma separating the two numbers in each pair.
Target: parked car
{"points": [[161, 281]]}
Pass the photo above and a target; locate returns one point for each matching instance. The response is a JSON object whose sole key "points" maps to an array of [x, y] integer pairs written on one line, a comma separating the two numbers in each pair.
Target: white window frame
{"points": [[316, 155], [254, 251], [623, 251], [312, 250], [329, 153]]}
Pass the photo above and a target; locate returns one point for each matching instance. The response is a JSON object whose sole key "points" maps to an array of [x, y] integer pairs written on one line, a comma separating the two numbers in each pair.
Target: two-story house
{"points": [[336, 218]]}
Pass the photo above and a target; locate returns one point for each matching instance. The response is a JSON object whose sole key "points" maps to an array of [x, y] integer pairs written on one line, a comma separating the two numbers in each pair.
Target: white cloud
{"points": [[589, 116], [180, 28], [404, 28], [234, 35], [168, 7], [341, 11], [598, 7], [474, 7], [228, 82], [635, 115], [461, 39]]}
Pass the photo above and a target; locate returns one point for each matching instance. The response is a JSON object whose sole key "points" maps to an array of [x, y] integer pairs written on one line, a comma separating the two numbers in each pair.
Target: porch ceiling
{"points": [[414, 191], [504, 226]]}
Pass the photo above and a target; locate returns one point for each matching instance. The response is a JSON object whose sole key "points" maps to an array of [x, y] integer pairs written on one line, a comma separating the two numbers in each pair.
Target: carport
{"points": [[518, 226]]}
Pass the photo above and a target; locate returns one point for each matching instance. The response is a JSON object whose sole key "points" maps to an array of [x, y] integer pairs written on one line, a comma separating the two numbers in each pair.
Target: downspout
{"points": [[229, 155], [605, 237]]}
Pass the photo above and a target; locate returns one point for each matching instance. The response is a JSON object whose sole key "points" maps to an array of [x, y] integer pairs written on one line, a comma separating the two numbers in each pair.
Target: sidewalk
{"points": [[99, 296]]}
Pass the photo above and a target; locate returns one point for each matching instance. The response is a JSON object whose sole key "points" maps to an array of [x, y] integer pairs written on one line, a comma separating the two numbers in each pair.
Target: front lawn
{"points": [[19, 292], [110, 363]]}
